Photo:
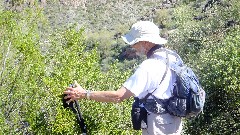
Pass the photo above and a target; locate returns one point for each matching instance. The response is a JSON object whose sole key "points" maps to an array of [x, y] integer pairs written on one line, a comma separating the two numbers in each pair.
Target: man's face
{"points": [[139, 47]]}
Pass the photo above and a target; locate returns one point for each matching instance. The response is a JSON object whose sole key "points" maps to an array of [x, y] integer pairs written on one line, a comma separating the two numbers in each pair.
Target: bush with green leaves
{"points": [[34, 74], [211, 47]]}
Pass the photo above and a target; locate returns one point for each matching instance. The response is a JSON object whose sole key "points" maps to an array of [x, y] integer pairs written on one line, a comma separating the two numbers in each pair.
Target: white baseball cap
{"points": [[144, 31]]}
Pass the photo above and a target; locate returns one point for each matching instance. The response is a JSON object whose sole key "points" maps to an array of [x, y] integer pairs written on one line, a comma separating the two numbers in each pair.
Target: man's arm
{"points": [[101, 96], [111, 96]]}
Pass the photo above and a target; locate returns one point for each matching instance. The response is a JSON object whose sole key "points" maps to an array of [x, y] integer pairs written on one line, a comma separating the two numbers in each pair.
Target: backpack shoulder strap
{"points": [[173, 65]]}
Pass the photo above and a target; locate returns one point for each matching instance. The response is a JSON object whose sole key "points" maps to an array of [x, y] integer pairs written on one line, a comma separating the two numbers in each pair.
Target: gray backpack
{"points": [[188, 97]]}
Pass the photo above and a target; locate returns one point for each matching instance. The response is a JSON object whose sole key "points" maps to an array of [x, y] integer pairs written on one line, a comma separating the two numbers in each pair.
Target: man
{"points": [[144, 37]]}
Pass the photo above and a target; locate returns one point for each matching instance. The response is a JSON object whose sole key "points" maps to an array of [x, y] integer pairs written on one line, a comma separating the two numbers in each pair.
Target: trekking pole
{"points": [[80, 119], [74, 106]]}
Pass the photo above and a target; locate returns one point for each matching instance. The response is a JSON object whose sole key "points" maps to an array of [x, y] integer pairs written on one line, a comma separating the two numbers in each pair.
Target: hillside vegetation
{"points": [[46, 45]]}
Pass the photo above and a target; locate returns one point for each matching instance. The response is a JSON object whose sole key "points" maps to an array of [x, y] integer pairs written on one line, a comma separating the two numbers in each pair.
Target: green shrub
{"points": [[211, 48], [34, 74]]}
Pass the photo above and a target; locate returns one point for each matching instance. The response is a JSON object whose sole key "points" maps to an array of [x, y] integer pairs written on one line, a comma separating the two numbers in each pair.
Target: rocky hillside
{"points": [[95, 16], [104, 21]]}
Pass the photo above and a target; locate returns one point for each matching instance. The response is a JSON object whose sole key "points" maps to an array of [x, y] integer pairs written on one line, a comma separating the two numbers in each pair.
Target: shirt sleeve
{"points": [[138, 82]]}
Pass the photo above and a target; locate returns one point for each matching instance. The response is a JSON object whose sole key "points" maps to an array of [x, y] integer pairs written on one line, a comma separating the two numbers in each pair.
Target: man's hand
{"points": [[74, 93]]}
